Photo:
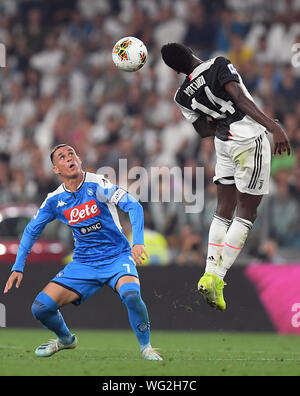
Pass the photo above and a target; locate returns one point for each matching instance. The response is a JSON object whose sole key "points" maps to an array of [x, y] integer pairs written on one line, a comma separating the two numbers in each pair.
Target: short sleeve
{"points": [[226, 72]]}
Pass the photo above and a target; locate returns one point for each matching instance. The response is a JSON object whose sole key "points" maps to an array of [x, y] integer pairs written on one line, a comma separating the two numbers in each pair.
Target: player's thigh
{"points": [[225, 166], [253, 164], [122, 270], [224, 178], [60, 294]]}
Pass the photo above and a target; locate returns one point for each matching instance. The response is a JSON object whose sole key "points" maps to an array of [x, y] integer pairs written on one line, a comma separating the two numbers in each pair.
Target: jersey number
{"points": [[127, 266], [224, 106]]}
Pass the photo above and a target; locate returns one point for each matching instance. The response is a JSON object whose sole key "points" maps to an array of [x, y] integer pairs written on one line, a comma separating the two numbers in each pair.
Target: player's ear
{"points": [[56, 170]]}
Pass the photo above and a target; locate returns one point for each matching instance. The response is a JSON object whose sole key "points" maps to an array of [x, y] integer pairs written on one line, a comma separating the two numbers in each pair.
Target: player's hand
{"points": [[138, 253], [14, 277], [281, 140]]}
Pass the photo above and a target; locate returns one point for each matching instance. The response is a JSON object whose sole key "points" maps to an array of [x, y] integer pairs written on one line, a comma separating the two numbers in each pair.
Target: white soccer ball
{"points": [[129, 54]]}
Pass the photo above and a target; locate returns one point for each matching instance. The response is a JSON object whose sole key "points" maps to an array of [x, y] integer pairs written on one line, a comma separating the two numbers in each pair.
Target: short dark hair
{"points": [[55, 149], [178, 57]]}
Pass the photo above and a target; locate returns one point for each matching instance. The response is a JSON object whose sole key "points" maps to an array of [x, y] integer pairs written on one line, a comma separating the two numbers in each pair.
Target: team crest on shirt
{"points": [[90, 192]]}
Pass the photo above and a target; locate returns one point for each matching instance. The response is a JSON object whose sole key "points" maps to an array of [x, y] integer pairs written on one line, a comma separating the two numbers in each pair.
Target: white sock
{"points": [[233, 244], [143, 347], [216, 237]]}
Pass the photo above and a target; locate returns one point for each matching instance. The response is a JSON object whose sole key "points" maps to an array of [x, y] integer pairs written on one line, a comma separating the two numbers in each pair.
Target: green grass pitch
{"points": [[115, 353]]}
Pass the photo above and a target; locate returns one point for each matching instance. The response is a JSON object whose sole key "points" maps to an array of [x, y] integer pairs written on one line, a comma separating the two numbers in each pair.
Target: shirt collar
{"points": [[201, 68], [78, 187]]}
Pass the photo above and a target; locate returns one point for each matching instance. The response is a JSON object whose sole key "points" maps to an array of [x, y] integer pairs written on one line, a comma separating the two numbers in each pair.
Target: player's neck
{"points": [[196, 63], [72, 184]]}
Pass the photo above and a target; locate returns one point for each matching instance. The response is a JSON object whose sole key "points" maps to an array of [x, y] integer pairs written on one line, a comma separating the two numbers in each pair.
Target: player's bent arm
{"points": [[136, 215], [247, 106], [107, 192], [115, 195], [204, 127]]}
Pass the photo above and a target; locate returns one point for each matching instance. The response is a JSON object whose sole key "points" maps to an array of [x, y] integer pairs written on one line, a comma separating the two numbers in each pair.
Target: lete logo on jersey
{"points": [[82, 212]]}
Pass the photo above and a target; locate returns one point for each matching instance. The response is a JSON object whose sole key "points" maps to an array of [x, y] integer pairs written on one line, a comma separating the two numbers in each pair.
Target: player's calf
{"points": [[137, 311], [45, 309], [138, 318]]}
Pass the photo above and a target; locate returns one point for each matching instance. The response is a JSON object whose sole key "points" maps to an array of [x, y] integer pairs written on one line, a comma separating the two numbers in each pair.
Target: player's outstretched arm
{"points": [[15, 277], [247, 106], [31, 233]]}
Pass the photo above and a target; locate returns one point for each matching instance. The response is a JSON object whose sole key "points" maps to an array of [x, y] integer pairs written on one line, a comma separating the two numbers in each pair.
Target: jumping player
{"points": [[214, 99], [86, 202]]}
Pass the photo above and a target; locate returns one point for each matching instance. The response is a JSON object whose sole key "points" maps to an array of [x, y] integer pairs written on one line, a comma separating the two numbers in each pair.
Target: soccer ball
{"points": [[129, 54]]}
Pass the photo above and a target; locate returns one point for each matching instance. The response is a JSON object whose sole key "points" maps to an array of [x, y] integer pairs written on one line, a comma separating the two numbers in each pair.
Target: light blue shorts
{"points": [[87, 278]]}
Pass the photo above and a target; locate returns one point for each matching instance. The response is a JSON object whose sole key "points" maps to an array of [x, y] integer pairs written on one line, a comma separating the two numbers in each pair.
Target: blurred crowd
{"points": [[60, 86]]}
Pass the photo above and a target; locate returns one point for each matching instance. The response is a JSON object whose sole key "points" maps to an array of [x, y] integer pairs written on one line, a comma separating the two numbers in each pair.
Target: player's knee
{"points": [[253, 216], [132, 299], [42, 306], [225, 213], [225, 210], [247, 206], [39, 310], [130, 294], [247, 213]]}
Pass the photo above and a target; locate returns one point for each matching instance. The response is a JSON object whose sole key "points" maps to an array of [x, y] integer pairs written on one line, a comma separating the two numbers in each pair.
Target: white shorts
{"points": [[247, 165]]}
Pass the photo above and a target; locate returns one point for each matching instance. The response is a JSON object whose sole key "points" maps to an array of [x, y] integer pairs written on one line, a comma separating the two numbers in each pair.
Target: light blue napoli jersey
{"points": [[91, 213]]}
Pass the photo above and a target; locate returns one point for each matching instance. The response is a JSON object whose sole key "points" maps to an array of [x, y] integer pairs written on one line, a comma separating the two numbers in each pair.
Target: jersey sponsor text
{"points": [[82, 212]]}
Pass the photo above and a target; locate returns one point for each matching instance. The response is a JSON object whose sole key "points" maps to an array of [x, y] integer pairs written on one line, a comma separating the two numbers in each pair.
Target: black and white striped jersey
{"points": [[203, 93]]}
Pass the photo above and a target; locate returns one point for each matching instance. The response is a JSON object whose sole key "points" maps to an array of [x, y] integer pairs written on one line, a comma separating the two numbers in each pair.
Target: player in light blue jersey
{"points": [[86, 202]]}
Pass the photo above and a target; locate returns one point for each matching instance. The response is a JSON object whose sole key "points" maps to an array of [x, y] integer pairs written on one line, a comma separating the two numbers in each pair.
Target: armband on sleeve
{"points": [[117, 196]]}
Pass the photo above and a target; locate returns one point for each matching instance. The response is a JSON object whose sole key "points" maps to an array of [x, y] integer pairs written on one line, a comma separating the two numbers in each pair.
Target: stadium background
{"points": [[60, 85]]}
